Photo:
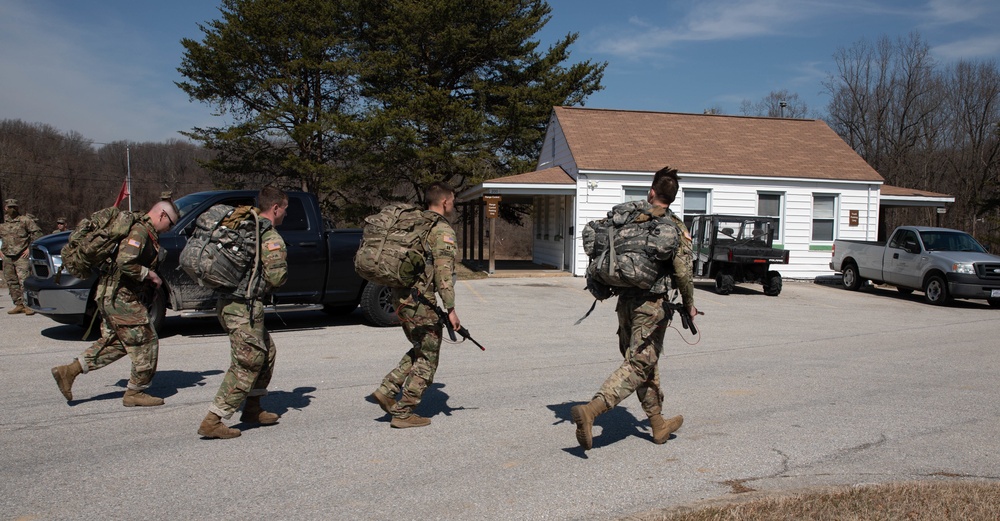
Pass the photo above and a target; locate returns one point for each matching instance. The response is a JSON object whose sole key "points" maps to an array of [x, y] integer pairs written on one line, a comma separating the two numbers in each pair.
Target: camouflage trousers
{"points": [[415, 372], [14, 272], [251, 356], [642, 321], [125, 330]]}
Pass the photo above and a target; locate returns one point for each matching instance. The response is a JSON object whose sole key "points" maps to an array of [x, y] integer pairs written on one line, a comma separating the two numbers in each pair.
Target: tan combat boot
{"points": [[212, 427], [412, 420], [252, 413], [64, 375], [583, 416], [662, 429], [384, 401], [16, 309], [135, 398]]}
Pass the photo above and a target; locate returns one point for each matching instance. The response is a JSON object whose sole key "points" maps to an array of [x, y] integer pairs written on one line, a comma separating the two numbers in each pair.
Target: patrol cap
{"points": [[61, 220], [166, 195], [11, 203]]}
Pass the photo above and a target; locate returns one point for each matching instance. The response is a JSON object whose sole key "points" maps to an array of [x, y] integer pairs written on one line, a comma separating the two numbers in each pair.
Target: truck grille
{"points": [[988, 270], [41, 262]]}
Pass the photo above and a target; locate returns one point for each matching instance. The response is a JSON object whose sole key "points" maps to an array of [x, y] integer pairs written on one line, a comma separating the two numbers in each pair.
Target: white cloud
{"points": [[970, 48], [947, 12]]}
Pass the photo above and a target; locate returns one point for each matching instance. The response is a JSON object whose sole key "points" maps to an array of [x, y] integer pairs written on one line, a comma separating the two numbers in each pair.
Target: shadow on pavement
{"points": [[616, 425], [433, 402]]}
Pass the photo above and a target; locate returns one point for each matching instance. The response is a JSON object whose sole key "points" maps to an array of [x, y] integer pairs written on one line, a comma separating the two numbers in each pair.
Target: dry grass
{"points": [[463, 272], [954, 500]]}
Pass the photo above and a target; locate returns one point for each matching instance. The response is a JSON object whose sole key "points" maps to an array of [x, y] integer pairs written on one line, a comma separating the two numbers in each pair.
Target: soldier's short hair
{"points": [[270, 196], [665, 183], [437, 192]]}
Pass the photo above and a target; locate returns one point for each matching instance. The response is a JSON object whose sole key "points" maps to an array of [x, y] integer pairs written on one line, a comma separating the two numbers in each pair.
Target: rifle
{"points": [[686, 321], [443, 318]]}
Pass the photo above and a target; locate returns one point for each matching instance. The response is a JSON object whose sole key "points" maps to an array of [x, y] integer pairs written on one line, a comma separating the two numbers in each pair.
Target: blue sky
{"points": [[106, 68]]}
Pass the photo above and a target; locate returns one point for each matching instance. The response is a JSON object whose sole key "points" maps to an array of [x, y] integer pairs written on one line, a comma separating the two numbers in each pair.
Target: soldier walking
{"points": [[125, 327], [420, 322], [17, 232], [241, 314], [642, 321]]}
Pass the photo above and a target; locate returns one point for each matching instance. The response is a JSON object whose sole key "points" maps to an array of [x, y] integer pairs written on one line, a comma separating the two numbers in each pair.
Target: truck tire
{"points": [[936, 290], [851, 279], [377, 307], [772, 284], [157, 307], [724, 283]]}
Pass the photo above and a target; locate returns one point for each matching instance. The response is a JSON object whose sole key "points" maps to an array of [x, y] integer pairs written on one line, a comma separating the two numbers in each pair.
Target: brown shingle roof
{"points": [[899, 191], [637, 141], [554, 175]]}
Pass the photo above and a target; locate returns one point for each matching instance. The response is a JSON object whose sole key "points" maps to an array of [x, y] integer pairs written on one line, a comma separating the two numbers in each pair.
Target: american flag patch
{"points": [[448, 239], [134, 243], [272, 246]]}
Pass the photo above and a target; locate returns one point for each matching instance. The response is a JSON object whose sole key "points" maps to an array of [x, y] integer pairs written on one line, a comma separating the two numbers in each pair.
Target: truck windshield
{"points": [[950, 241], [186, 203]]}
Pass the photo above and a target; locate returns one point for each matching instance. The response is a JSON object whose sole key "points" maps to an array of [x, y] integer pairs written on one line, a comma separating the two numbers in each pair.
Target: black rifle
{"points": [[686, 321], [445, 321]]}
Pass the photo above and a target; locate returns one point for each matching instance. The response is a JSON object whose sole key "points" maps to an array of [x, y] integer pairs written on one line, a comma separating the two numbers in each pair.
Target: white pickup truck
{"points": [[941, 262]]}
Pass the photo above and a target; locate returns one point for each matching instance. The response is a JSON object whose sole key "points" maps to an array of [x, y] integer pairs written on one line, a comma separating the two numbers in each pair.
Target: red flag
{"points": [[123, 193]]}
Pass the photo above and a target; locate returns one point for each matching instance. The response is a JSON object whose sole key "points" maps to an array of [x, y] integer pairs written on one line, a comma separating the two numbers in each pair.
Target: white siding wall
{"points": [[808, 259], [555, 150]]}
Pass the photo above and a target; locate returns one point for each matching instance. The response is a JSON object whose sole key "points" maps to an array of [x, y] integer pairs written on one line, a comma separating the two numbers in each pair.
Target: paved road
{"points": [[819, 386]]}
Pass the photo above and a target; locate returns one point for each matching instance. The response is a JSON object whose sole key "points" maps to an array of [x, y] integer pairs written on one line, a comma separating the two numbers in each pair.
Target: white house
{"points": [[799, 171]]}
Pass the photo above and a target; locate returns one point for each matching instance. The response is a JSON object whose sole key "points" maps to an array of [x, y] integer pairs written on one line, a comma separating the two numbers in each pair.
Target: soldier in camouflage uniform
{"points": [[60, 225], [17, 231], [642, 321], [242, 316], [125, 327], [421, 325]]}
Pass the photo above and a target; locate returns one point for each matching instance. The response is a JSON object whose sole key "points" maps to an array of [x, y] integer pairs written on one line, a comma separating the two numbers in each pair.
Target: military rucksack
{"points": [[627, 249], [95, 240], [223, 247], [393, 251]]}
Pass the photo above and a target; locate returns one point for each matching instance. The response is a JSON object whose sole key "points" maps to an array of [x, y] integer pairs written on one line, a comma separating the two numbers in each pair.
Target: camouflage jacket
{"points": [[441, 244], [138, 254], [273, 268], [683, 277], [17, 234]]}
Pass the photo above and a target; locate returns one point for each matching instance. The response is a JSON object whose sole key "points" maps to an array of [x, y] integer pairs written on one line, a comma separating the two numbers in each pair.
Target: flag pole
{"points": [[128, 174]]}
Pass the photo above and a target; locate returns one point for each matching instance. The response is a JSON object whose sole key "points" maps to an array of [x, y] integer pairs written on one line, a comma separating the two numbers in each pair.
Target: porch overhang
{"points": [[894, 196], [551, 181]]}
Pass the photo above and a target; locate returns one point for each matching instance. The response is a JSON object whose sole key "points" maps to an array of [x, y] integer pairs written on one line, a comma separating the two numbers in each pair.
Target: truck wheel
{"points": [[376, 306], [852, 280], [772, 284], [724, 283], [936, 290], [157, 307]]}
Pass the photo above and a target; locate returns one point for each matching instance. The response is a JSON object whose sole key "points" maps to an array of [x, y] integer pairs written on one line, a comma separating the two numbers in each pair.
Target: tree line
{"points": [[57, 174]]}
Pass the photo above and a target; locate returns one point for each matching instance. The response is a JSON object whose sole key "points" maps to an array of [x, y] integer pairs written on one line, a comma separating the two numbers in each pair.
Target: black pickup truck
{"points": [[320, 269]]}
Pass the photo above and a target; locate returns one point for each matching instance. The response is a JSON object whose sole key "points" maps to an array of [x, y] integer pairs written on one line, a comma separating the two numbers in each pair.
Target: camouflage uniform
{"points": [[642, 322], [415, 372], [242, 316], [125, 327], [17, 234]]}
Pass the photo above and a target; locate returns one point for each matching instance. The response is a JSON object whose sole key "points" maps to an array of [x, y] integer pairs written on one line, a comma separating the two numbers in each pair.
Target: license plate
{"points": [[995, 293]]}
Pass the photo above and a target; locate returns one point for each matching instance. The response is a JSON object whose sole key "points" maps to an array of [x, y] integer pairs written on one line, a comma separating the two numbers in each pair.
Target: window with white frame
{"points": [[634, 193], [695, 203], [824, 217], [769, 205]]}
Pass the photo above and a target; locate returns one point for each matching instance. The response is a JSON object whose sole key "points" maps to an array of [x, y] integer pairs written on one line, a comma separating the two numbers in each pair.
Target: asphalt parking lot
{"points": [[819, 386]]}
